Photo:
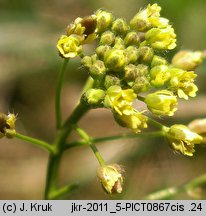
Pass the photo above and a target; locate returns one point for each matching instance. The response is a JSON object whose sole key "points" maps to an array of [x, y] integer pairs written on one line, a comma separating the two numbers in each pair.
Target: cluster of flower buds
{"points": [[129, 64], [7, 125]]}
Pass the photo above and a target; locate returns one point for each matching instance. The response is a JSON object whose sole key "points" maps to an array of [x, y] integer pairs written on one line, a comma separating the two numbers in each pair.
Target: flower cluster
{"points": [[129, 64]]}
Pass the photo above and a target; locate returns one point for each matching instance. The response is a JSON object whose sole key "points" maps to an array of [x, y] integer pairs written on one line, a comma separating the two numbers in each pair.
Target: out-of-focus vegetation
{"points": [[29, 64]]}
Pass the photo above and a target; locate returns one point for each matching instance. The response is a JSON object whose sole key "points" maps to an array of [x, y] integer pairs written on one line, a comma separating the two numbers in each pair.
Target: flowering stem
{"points": [[35, 141], [87, 139], [58, 145], [172, 191], [116, 137], [58, 93]]}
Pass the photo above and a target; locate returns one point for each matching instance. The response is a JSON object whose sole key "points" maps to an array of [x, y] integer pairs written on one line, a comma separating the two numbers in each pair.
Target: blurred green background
{"points": [[29, 64]]}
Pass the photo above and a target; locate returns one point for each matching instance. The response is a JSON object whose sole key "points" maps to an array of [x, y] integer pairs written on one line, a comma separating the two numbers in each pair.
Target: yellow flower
{"points": [[161, 103], [182, 83], [187, 60], [120, 101], [84, 27], [161, 38], [182, 139], [159, 75], [111, 178], [131, 119], [141, 21], [7, 125], [69, 46], [148, 18], [117, 99]]}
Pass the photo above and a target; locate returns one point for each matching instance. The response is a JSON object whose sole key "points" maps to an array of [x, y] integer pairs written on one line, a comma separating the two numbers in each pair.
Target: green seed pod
{"points": [[97, 70], [111, 81], [107, 38], [94, 97], [158, 60], [101, 50], [145, 54], [115, 59], [141, 84], [132, 38], [104, 20], [120, 26]]}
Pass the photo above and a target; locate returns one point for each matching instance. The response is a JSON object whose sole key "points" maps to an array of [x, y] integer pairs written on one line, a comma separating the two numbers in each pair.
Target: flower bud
{"points": [[132, 54], [140, 21], [115, 59], [187, 60], [69, 47], [89, 23], [107, 38], [199, 126], [130, 72], [120, 26], [158, 60], [97, 70], [145, 54], [159, 75], [161, 39], [182, 83], [111, 81], [7, 125], [161, 103], [182, 139], [104, 20], [75, 27], [141, 84], [94, 97], [119, 43], [101, 50], [87, 61], [147, 18], [111, 178], [132, 38]]}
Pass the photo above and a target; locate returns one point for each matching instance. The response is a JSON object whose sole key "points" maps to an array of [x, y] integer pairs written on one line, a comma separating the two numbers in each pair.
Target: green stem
{"points": [[87, 139], [116, 137], [36, 142], [58, 93], [157, 124], [89, 83], [172, 191], [60, 140], [63, 191]]}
